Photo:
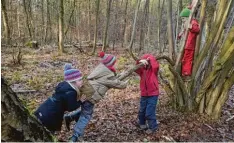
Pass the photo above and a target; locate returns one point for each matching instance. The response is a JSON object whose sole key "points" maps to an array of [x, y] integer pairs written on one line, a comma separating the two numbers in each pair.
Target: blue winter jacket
{"points": [[51, 112]]}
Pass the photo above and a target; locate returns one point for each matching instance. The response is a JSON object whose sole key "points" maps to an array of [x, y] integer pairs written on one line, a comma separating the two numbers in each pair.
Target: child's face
{"points": [[184, 19], [79, 83]]}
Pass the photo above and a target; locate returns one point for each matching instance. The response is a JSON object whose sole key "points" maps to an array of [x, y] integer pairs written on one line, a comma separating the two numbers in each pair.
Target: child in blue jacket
{"points": [[65, 98]]}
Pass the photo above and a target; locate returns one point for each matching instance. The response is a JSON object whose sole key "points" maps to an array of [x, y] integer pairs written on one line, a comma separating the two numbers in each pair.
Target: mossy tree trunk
{"points": [[17, 124]]}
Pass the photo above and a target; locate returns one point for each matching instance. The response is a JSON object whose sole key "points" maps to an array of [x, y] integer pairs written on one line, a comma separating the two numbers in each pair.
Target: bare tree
{"points": [[96, 26], [48, 23], [134, 30], [29, 24], [170, 30], [107, 24], [143, 24], [61, 26], [159, 12], [125, 22], [5, 22], [89, 19]]}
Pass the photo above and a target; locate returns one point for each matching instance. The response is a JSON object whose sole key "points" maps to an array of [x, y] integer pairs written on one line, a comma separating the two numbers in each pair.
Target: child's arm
{"points": [[195, 28], [139, 70], [113, 83], [72, 103]]}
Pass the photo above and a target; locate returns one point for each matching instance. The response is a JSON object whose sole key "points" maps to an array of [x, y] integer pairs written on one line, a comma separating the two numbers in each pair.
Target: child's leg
{"points": [[142, 110], [151, 112], [85, 117]]}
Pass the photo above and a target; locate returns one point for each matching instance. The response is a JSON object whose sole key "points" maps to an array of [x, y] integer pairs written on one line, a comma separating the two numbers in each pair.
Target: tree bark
{"points": [[61, 26], [107, 24], [17, 124], [5, 22]]}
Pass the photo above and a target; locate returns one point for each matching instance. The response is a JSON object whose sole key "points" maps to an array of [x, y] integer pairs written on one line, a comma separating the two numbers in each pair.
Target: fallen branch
{"points": [[230, 118], [209, 126], [168, 138], [24, 91], [130, 71], [172, 63], [133, 69]]}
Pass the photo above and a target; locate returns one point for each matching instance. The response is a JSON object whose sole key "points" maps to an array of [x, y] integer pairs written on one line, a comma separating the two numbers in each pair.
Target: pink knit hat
{"points": [[107, 59]]}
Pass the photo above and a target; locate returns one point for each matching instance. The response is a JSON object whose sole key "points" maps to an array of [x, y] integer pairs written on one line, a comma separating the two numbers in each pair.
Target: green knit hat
{"points": [[185, 12]]}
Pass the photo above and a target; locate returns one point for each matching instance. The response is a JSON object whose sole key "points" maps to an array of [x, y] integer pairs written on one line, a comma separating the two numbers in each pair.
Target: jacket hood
{"points": [[100, 71]]}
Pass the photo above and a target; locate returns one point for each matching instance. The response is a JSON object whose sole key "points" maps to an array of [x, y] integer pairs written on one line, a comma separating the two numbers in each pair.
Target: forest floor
{"points": [[114, 117]]}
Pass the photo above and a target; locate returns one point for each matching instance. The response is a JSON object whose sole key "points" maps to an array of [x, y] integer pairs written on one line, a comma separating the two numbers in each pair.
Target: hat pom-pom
{"points": [[67, 66], [101, 54]]}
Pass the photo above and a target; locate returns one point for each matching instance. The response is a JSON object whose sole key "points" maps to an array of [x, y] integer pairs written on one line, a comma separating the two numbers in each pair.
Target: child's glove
{"points": [[83, 98], [145, 62]]}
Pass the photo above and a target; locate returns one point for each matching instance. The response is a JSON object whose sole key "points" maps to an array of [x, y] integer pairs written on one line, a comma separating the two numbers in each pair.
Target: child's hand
{"points": [[145, 62]]}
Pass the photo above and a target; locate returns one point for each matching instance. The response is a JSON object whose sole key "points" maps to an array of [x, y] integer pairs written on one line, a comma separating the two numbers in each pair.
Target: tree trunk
{"points": [[42, 19], [202, 19], [125, 22], [89, 19], [134, 30], [115, 25], [170, 31], [178, 23], [17, 124], [107, 24], [48, 23], [5, 22], [159, 24], [61, 26], [96, 26]]}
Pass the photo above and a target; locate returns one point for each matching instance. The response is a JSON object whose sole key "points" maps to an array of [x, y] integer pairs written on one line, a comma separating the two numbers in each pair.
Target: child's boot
{"points": [[143, 127], [73, 139], [67, 120]]}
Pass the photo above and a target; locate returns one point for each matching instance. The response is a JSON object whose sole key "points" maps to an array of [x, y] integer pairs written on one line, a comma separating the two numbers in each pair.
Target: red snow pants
{"points": [[187, 62]]}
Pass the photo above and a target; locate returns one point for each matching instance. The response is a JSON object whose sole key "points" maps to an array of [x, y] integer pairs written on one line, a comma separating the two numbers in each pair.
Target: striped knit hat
{"points": [[71, 74], [107, 59]]}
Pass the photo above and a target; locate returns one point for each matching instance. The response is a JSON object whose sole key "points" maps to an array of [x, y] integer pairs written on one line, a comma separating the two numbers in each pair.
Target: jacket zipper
{"points": [[145, 84]]}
